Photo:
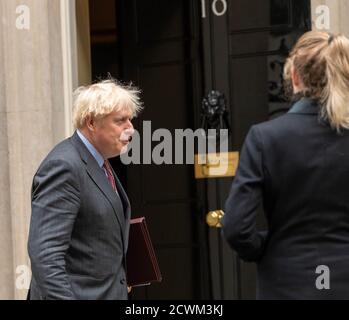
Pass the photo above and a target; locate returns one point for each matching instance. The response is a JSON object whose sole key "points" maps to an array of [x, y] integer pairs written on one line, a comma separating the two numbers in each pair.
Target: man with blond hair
{"points": [[80, 212]]}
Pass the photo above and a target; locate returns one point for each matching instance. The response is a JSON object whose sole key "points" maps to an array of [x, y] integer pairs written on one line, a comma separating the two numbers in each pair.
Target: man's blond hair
{"points": [[102, 98]]}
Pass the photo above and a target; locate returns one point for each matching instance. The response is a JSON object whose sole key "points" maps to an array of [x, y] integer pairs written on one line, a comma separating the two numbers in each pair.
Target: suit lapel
{"points": [[98, 176], [126, 201], [122, 195]]}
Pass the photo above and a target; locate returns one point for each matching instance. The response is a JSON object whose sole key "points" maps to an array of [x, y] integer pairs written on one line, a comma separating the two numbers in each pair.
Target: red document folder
{"points": [[142, 265]]}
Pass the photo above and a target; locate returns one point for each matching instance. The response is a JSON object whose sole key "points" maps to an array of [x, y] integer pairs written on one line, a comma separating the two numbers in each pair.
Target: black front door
{"points": [[245, 44], [176, 51], [160, 41]]}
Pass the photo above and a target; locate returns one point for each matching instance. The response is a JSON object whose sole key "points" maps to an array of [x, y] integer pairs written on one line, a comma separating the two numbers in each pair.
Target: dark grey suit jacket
{"points": [[298, 167], [79, 228]]}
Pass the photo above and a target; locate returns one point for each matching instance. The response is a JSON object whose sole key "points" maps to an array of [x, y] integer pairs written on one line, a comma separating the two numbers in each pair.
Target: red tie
{"points": [[110, 175]]}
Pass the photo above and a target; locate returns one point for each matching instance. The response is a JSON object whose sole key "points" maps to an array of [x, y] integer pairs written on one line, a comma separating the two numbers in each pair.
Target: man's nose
{"points": [[129, 124], [129, 131]]}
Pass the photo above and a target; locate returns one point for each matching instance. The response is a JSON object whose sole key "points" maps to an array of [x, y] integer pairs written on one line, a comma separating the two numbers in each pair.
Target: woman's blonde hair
{"points": [[322, 63], [102, 98]]}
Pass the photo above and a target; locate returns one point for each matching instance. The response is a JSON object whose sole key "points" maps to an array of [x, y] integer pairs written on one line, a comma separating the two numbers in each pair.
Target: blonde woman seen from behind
{"points": [[297, 166]]}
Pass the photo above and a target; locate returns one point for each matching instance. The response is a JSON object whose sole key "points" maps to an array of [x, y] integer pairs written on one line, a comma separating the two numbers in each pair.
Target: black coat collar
{"points": [[305, 106]]}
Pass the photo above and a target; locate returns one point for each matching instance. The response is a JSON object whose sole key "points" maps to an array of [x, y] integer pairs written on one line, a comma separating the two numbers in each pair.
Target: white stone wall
{"points": [[32, 120]]}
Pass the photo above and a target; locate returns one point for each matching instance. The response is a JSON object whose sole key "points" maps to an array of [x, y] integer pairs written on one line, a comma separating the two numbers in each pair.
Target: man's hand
{"points": [[129, 289]]}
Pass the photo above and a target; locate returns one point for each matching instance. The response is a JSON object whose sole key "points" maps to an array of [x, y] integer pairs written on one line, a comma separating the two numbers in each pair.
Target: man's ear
{"points": [[90, 123]]}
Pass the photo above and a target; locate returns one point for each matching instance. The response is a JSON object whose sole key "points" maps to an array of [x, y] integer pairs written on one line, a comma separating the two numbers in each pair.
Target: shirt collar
{"points": [[99, 158]]}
